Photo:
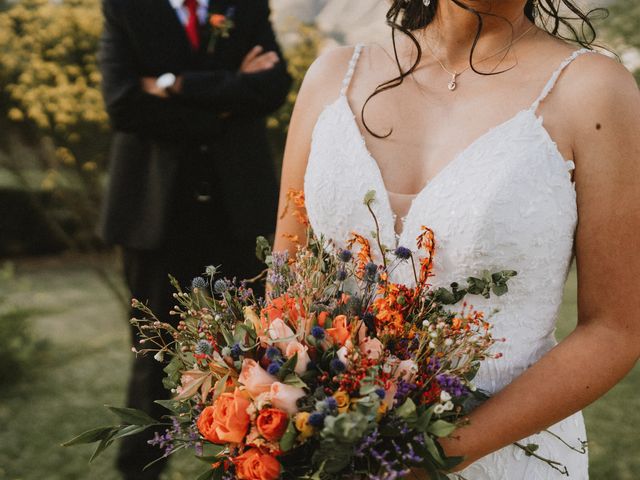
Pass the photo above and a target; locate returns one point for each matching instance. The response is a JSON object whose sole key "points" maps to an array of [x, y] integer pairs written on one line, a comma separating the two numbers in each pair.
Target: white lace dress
{"points": [[505, 202]]}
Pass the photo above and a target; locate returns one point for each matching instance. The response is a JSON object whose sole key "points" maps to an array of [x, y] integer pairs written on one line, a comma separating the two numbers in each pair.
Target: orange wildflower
{"points": [[391, 307], [339, 332], [364, 254], [296, 197], [426, 241], [322, 318], [281, 307]]}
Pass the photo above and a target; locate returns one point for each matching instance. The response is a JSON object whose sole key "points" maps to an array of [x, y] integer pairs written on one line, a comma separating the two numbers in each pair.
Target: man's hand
{"points": [[149, 85], [258, 61]]}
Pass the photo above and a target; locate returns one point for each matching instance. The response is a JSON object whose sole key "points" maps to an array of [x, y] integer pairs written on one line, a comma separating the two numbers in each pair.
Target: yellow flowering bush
{"points": [[50, 98]]}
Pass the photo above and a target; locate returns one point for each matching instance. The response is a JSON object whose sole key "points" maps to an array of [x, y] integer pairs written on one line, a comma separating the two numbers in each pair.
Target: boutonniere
{"points": [[221, 26]]}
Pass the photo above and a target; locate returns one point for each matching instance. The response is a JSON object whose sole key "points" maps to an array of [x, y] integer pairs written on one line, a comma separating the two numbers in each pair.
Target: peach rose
{"points": [[284, 397], [339, 332], [272, 423], [371, 348], [303, 356], [227, 420], [281, 334], [255, 465], [254, 378]]}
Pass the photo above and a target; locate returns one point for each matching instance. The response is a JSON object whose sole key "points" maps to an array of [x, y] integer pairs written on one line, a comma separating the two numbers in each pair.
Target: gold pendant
{"points": [[452, 84]]}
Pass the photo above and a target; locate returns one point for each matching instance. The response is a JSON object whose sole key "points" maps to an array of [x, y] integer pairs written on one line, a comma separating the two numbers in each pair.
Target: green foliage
{"points": [[299, 56], [623, 26], [18, 347]]}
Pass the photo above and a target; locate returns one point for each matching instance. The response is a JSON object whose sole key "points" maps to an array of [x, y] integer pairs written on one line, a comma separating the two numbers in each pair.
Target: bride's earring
{"points": [[535, 8], [426, 2]]}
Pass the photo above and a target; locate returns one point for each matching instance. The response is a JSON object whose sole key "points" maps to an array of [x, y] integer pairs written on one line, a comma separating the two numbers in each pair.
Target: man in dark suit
{"points": [[191, 180]]}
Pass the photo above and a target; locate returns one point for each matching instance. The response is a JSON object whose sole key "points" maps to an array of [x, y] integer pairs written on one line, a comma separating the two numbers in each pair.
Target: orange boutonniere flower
{"points": [[217, 20], [221, 26]]}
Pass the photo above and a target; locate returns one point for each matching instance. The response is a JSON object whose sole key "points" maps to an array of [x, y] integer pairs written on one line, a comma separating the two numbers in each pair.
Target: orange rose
{"points": [[272, 423], [227, 420], [255, 465], [339, 332], [217, 20]]}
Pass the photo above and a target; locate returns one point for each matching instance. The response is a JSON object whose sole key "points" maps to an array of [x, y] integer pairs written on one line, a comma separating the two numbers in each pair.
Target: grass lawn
{"points": [[85, 365]]}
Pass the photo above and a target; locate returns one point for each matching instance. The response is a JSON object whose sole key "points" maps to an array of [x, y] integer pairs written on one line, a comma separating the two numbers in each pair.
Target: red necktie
{"points": [[192, 26]]}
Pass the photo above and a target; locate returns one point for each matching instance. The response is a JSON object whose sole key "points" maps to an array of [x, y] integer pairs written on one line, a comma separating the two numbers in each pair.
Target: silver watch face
{"points": [[166, 80]]}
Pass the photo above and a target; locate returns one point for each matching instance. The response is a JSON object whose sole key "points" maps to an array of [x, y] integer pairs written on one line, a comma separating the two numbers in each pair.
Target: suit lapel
{"points": [[173, 27]]}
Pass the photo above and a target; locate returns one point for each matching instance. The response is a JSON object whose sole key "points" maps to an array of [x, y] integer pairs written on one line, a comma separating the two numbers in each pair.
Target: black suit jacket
{"points": [[214, 130]]}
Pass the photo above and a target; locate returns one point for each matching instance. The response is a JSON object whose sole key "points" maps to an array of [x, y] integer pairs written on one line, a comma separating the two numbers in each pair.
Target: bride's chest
{"points": [[507, 194]]}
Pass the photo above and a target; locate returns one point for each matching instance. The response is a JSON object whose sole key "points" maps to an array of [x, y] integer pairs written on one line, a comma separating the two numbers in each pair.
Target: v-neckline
{"points": [[457, 158]]}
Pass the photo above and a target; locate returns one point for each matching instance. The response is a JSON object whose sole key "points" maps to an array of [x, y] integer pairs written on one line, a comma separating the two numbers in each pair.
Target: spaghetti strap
{"points": [[352, 67], [554, 77]]}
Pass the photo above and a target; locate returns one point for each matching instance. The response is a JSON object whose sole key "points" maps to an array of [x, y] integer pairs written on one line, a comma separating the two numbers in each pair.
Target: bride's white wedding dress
{"points": [[504, 202]]}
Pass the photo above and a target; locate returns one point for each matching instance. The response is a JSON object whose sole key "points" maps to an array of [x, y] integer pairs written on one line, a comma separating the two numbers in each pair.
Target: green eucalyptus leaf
{"points": [[288, 367], [132, 416], [130, 430], [91, 436], [424, 419], [369, 197], [295, 381], [102, 446], [441, 428], [263, 249], [407, 410], [433, 450], [288, 440], [499, 289]]}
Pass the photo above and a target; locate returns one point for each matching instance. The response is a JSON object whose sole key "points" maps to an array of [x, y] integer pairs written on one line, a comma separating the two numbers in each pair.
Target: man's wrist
{"points": [[176, 88]]}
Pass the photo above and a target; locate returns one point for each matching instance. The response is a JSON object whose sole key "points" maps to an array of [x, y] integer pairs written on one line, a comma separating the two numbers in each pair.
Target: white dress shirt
{"points": [[183, 12]]}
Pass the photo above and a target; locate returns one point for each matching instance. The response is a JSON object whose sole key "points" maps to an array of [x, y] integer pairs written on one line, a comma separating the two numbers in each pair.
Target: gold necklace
{"points": [[454, 75]]}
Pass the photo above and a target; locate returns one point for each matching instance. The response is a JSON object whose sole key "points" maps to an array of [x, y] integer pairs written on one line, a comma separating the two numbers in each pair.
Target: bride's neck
{"points": [[450, 35]]}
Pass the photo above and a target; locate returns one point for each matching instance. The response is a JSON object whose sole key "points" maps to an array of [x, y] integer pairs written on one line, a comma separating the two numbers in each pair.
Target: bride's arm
{"points": [[320, 87], [606, 343]]}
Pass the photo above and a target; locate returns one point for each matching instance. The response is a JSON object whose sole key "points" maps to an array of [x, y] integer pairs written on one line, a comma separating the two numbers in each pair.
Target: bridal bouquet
{"points": [[337, 373]]}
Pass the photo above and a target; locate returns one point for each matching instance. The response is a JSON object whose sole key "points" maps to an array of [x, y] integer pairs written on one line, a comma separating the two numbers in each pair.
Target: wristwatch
{"points": [[166, 81]]}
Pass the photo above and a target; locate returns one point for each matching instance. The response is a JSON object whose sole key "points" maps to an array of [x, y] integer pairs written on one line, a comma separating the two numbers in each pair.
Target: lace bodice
{"points": [[505, 202]]}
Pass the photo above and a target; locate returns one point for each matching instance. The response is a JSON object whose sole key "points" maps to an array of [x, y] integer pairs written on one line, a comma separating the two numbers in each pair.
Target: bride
{"points": [[518, 151]]}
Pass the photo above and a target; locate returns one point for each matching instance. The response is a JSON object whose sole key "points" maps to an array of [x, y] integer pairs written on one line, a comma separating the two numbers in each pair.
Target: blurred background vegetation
{"points": [[63, 338]]}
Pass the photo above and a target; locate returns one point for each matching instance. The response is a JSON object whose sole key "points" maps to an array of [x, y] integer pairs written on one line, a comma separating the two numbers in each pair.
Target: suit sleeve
{"points": [[132, 110], [255, 93]]}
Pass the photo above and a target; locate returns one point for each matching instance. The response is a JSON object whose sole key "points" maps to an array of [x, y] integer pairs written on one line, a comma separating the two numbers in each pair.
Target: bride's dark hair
{"points": [[407, 16]]}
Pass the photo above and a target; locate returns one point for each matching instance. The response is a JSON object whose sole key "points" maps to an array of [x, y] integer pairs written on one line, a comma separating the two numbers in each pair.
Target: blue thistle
{"points": [[236, 351], [345, 255], [273, 368], [316, 419], [403, 253], [342, 275], [318, 332], [272, 353], [337, 365], [220, 286], [203, 347], [199, 283], [332, 403]]}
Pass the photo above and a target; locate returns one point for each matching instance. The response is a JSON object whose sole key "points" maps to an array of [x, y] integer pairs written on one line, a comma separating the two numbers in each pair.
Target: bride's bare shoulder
{"points": [[324, 77]]}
